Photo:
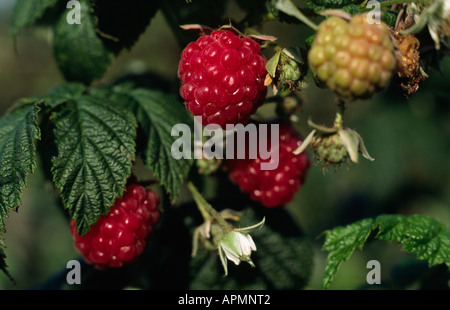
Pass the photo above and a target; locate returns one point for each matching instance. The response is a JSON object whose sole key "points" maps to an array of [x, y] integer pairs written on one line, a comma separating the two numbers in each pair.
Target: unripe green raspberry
{"points": [[329, 149], [289, 73], [354, 59]]}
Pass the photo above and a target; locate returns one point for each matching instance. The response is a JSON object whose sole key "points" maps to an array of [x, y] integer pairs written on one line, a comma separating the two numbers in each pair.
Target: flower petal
{"points": [[252, 243], [231, 253], [245, 245]]}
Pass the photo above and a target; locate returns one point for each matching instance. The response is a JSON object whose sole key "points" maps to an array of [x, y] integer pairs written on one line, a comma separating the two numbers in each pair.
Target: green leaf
{"points": [[59, 94], [26, 13], [63, 93], [351, 9], [79, 51], [157, 113], [18, 134], [389, 17], [418, 234], [95, 148], [341, 242], [322, 5]]}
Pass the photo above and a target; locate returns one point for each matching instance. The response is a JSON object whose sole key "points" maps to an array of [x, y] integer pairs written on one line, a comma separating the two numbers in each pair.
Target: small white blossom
{"points": [[237, 246]]}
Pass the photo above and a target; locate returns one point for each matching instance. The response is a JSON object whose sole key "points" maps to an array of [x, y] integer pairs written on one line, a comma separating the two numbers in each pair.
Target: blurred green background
{"points": [[410, 140]]}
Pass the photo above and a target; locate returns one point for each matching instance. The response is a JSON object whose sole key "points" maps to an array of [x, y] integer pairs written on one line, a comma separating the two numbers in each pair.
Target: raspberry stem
{"points": [[339, 120], [206, 209]]}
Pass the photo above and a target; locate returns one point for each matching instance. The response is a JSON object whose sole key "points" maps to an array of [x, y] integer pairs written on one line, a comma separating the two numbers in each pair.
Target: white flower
{"points": [[237, 246]]}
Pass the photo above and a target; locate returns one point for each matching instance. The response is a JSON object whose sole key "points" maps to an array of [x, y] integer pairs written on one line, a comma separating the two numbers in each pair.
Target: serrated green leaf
{"points": [[157, 113], [79, 51], [351, 9], [418, 234], [389, 18], [95, 143], [18, 134], [27, 12], [341, 242], [59, 94], [63, 92], [322, 5]]}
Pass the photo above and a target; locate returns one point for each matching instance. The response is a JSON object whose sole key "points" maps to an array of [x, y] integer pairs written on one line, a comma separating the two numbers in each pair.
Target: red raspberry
{"points": [[222, 78], [121, 235], [273, 188]]}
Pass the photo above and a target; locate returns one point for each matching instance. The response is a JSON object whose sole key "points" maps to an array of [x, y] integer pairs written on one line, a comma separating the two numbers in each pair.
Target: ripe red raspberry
{"points": [[273, 188], [120, 236], [354, 59], [222, 78]]}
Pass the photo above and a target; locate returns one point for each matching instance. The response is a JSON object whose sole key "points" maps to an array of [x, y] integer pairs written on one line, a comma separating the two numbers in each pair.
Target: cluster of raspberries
{"points": [[222, 78], [222, 81]]}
